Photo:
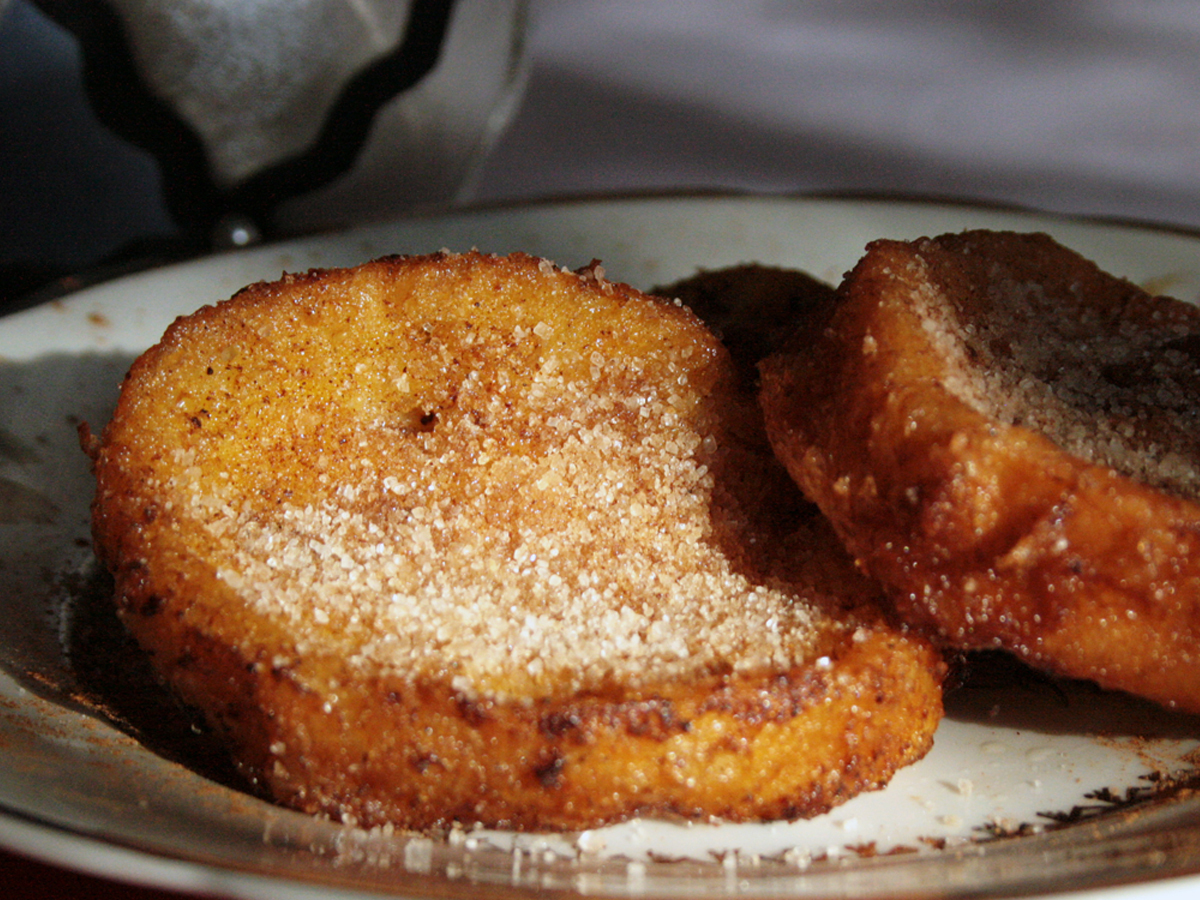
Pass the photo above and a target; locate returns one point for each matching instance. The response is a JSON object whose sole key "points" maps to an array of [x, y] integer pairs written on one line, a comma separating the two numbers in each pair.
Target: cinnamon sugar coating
{"points": [[473, 538], [1006, 437]]}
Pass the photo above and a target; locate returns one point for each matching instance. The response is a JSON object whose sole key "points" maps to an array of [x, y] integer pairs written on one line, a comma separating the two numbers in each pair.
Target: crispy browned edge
{"points": [[987, 533], [419, 754], [781, 745]]}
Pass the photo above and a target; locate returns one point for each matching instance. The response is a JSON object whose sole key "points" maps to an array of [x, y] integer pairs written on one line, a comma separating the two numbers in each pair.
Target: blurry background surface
{"points": [[1083, 107]]}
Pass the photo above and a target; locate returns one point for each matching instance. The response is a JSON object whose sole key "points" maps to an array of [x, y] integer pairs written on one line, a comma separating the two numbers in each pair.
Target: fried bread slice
{"points": [[465, 538], [751, 308], [1006, 437]]}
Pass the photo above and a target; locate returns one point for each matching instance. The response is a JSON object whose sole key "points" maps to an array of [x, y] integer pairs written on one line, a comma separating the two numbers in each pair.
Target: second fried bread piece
{"points": [[473, 538], [751, 307], [1007, 437]]}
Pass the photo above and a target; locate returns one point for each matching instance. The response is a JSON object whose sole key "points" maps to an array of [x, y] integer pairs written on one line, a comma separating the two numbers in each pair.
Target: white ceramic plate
{"points": [[83, 783]]}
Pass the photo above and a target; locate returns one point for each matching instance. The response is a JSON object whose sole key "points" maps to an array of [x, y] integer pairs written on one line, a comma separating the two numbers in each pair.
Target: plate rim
{"points": [[102, 272]]}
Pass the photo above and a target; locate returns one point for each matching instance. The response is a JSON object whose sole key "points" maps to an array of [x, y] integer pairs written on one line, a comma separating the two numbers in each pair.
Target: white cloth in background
{"points": [[1078, 106]]}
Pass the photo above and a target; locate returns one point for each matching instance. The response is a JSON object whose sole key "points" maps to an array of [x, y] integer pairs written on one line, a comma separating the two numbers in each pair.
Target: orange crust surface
{"points": [[409, 583]]}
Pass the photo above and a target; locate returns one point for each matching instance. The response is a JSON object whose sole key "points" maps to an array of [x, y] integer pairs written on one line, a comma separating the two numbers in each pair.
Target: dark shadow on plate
{"points": [[111, 678], [996, 688]]}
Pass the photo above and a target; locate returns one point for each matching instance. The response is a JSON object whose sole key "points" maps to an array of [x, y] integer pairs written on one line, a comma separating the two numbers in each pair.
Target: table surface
{"points": [[1089, 108]]}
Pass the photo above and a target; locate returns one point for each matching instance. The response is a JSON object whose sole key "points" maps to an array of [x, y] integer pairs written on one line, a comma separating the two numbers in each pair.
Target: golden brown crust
{"points": [[470, 538], [988, 531], [736, 748]]}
